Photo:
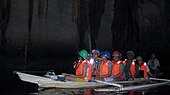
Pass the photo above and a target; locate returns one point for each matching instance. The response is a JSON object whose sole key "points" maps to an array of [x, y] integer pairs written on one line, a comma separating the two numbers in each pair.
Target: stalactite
{"points": [[74, 10], [119, 24], [2, 4], [40, 8], [61, 7], [30, 15], [28, 41], [167, 28], [133, 28], [82, 21], [4, 21], [124, 26], [96, 11], [46, 10]]}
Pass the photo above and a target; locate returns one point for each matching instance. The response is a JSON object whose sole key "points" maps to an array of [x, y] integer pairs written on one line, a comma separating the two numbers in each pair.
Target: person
{"points": [[129, 65], [83, 69], [154, 65], [96, 61], [77, 62], [105, 68], [118, 67], [142, 69]]}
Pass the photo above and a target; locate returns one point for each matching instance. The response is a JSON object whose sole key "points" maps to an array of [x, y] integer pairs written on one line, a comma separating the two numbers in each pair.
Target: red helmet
{"points": [[116, 53]]}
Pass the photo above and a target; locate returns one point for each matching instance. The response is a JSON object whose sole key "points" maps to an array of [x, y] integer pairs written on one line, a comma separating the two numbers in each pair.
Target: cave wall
{"points": [[49, 26], [63, 25]]}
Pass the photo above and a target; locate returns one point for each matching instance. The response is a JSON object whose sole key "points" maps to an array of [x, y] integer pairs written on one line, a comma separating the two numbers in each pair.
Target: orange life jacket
{"points": [[143, 67], [79, 70], [104, 68], [116, 67], [132, 66]]}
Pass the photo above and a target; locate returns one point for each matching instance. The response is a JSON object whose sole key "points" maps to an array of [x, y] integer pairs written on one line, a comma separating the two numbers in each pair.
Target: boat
{"points": [[44, 82]]}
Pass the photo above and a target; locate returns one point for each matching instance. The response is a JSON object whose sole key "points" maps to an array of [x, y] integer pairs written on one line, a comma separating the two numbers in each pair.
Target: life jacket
{"points": [[143, 67], [79, 70], [104, 68], [132, 66], [116, 67]]}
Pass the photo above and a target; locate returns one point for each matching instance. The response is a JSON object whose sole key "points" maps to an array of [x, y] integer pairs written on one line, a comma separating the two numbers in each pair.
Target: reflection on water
{"points": [[70, 92], [92, 92]]}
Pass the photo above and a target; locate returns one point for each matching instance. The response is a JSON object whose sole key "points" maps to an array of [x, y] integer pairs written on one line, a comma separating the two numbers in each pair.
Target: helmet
{"points": [[97, 50], [83, 53], [130, 51], [138, 58], [107, 54], [116, 53]]}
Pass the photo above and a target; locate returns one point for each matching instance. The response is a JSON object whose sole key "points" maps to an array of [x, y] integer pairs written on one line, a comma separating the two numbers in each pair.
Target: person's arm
{"points": [[74, 64], [157, 65], [136, 70], [121, 71], [148, 71], [149, 62], [97, 70]]}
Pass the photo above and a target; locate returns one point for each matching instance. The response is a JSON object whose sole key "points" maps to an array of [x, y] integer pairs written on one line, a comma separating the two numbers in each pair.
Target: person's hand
{"points": [[74, 62], [97, 78], [152, 76]]}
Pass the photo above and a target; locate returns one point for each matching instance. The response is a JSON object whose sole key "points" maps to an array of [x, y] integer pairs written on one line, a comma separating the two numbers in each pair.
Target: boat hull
{"points": [[50, 83]]}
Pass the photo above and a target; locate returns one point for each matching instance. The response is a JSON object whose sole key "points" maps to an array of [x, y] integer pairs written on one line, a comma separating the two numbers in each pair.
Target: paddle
{"points": [[157, 79], [135, 87], [109, 83]]}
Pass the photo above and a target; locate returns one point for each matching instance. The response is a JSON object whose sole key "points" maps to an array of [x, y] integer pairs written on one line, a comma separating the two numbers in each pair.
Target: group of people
{"points": [[110, 67]]}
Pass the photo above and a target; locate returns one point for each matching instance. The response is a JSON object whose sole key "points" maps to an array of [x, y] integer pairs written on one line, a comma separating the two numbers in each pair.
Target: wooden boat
{"points": [[45, 82], [50, 83]]}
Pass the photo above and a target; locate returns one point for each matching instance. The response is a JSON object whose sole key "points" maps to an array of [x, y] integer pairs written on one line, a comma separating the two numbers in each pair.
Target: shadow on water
{"points": [[12, 85], [153, 91]]}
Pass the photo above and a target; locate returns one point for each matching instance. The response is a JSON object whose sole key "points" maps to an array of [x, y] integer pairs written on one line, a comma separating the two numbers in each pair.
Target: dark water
{"points": [[12, 85], [17, 87]]}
